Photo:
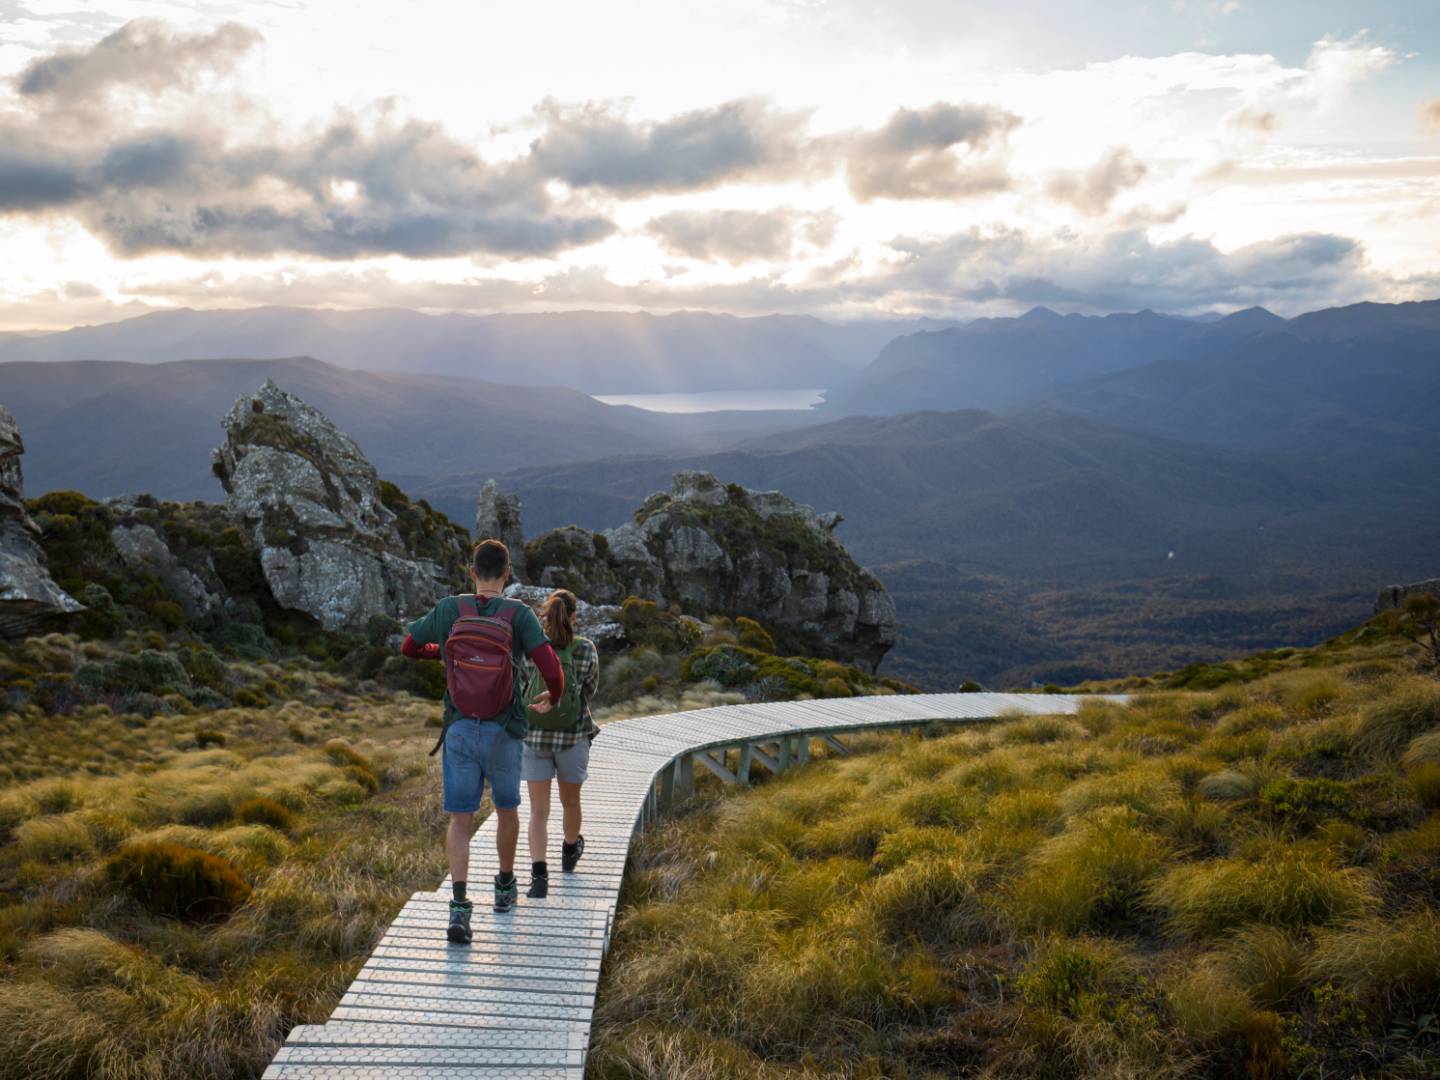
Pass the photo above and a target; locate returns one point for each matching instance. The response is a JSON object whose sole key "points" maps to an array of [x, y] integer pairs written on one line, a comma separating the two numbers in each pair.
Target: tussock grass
{"points": [[1290, 886], [1390, 960], [1267, 962], [1106, 896], [1386, 725], [1092, 874], [1228, 784]]}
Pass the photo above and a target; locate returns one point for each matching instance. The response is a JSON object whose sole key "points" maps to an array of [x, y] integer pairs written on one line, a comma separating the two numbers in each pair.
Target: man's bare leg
{"points": [[507, 835], [457, 845]]}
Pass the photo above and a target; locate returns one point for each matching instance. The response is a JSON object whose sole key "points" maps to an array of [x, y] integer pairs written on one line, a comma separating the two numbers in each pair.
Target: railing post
{"points": [[685, 775]]}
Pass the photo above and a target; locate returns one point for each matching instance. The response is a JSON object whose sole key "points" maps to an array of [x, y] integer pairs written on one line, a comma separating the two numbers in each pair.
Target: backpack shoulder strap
{"points": [[468, 601]]}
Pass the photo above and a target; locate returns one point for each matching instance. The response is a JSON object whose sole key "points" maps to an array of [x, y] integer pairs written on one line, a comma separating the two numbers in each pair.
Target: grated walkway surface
{"points": [[517, 1001]]}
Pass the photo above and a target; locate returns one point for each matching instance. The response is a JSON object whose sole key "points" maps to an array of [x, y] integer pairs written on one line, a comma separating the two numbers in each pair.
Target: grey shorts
{"points": [[569, 765]]}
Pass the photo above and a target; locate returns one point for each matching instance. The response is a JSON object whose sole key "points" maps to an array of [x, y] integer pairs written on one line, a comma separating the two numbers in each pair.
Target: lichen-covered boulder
{"points": [[498, 517], [29, 597], [335, 541], [711, 548]]}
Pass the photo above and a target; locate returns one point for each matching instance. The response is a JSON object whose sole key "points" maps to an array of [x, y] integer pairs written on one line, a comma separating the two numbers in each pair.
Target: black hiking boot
{"points": [[505, 894], [459, 931], [570, 854], [539, 885]]}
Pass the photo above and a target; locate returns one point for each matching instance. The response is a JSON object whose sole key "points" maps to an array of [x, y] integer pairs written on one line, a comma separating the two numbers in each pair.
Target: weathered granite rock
{"points": [[196, 588], [712, 548], [498, 517], [329, 544], [29, 597], [598, 622], [1393, 597]]}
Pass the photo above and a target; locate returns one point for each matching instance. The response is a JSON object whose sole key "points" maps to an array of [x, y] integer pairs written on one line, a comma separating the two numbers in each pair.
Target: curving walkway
{"points": [[517, 1002]]}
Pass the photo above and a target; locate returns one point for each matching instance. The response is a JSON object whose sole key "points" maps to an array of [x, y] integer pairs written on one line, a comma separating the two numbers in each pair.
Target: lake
{"points": [[717, 400]]}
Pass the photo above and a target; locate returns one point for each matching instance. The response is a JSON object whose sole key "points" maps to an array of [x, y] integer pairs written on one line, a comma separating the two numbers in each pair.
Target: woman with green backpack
{"points": [[558, 744]]}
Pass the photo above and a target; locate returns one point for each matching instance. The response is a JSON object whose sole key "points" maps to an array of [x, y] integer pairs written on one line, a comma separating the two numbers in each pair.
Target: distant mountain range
{"points": [[595, 352], [1011, 363], [1140, 492], [111, 428]]}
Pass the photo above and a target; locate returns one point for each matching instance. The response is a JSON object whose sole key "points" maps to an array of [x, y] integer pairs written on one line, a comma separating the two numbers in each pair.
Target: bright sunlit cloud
{"points": [[948, 158]]}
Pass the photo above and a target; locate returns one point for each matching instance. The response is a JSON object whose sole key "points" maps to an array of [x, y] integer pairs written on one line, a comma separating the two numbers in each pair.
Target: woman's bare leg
{"points": [[539, 817]]}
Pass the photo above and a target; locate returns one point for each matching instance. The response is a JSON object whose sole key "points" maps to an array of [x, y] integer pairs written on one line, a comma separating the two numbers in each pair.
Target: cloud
{"points": [[1252, 120], [739, 236], [1430, 116], [943, 151], [1126, 270], [593, 145], [1337, 64], [361, 185], [144, 54], [1092, 190]]}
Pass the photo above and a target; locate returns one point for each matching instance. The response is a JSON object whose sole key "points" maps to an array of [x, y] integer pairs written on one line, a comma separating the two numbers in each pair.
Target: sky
{"points": [[843, 158]]}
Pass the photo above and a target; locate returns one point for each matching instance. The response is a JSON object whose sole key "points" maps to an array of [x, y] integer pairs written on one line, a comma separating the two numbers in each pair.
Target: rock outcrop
{"points": [[29, 598], [711, 548], [1393, 597], [334, 540], [498, 517]]}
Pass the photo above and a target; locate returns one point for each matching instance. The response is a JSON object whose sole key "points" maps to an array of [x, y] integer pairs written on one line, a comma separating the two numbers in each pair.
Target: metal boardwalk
{"points": [[517, 1001]]}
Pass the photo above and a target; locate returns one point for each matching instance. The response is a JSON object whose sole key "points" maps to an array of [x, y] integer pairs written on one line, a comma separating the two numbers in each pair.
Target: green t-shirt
{"points": [[434, 628]]}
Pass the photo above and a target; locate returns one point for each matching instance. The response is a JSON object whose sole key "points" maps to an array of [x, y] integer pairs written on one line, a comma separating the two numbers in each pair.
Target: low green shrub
{"points": [[1306, 802], [752, 635]]}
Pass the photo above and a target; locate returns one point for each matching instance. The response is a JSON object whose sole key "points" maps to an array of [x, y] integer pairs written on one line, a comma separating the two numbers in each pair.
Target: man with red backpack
{"points": [[483, 639]]}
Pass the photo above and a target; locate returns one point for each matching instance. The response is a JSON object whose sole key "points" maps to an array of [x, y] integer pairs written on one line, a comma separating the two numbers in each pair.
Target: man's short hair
{"points": [[491, 559]]}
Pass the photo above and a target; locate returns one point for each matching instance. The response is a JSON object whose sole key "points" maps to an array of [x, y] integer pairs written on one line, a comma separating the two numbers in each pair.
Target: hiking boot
{"points": [[459, 931], [570, 854], [505, 894], [539, 886]]}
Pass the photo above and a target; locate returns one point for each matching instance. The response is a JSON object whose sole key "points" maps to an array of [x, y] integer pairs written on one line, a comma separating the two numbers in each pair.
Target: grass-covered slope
{"points": [[177, 892], [1241, 882]]}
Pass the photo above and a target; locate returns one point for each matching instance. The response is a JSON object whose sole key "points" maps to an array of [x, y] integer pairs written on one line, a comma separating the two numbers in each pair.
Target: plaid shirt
{"points": [[586, 661]]}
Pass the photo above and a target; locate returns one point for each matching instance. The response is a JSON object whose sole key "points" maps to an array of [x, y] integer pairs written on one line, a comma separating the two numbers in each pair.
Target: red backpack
{"points": [[479, 660]]}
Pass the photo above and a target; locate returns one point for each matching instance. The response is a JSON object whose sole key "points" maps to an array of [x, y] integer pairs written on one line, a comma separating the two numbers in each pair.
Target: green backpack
{"points": [[566, 715]]}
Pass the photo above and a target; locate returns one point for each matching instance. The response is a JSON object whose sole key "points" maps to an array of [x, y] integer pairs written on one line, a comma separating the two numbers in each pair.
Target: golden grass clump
{"points": [[1388, 722], [1390, 960], [262, 811], [1092, 874], [1267, 962], [1228, 784], [172, 880], [1289, 886]]}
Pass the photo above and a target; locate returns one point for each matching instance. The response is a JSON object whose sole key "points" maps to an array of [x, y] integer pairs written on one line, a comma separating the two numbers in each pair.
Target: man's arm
{"points": [[415, 651], [426, 629]]}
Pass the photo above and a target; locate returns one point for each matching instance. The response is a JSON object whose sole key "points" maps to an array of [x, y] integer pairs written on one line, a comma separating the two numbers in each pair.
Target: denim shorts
{"points": [[477, 750], [569, 764]]}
